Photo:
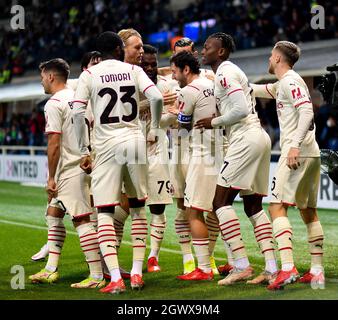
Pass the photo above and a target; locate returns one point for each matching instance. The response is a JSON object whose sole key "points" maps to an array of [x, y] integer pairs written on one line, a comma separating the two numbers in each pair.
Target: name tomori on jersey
{"points": [[115, 77]]}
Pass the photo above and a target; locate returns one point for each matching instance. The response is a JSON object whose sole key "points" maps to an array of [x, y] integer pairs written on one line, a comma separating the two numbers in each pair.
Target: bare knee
{"points": [[277, 210]]}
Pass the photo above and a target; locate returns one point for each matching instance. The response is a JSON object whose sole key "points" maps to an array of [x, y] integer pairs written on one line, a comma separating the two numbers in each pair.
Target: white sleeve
{"points": [[148, 88], [239, 110], [53, 117], [267, 91], [299, 98], [80, 102]]}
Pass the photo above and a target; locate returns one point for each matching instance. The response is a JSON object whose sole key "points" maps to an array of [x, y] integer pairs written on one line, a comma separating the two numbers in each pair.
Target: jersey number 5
{"points": [[126, 98]]}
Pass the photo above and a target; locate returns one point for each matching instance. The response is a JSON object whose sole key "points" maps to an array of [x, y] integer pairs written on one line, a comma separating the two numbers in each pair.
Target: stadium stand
{"points": [[75, 24]]}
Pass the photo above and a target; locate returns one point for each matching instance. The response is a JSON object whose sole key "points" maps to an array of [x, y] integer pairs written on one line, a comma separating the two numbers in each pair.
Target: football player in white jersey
{"points": [[88, 59], [178, 171], [159, 185], [296, 180], [67, 185], [246, 164], [197, 101], [113, 88]]}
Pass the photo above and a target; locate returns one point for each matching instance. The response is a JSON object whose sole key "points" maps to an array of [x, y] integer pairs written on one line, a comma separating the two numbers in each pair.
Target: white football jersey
{"points": [[58, 115], [292, 94], [113, 89], [196, 102], [229, 79]]}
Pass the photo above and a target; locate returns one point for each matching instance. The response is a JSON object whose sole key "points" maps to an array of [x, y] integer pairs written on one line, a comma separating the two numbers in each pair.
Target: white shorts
{"points": [[74, 196], [296, 187], [159, 186], [246, 163], [108, 175], [178, 167], [200, 185]]}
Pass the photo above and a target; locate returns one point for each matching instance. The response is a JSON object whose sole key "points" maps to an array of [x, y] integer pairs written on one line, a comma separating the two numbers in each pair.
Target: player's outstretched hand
{"points": [[293, 158], [169, 98], [51, 189], [86, 164], [204, 123]]}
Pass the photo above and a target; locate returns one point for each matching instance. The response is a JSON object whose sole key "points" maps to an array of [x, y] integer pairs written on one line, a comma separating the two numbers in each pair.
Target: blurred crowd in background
{"points": [[68, 28]]}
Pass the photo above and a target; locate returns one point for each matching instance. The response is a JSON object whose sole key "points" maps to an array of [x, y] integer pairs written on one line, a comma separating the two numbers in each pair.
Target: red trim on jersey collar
{"points": [[189, 85], [49, 132], [88, 71], [234, 91], [152, 85], [54, 99]]}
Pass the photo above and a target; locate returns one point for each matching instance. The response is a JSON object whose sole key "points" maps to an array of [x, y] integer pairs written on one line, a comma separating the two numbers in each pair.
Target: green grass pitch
{"points": [[23, 232]]}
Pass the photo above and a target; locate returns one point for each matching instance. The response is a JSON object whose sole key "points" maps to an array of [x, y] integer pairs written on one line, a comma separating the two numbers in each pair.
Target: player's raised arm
{"points": [[80, 102], [267, 91]]}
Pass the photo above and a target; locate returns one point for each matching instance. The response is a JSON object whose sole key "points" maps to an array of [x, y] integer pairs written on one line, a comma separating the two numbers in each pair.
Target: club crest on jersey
{"points": [[224, 83], [296, 94], [70, 103]]}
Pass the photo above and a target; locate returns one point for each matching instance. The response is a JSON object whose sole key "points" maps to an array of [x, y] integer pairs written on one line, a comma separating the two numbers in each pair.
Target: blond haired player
{"points": [[113, 88], [197, 101], [68, 185], [296, 180], [246, 163]]}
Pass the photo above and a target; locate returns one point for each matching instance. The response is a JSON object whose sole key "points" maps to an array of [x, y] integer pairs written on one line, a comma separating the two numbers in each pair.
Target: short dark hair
{"points": [[58, 65], [87, 57], [289, 50], [107, 42], [149, 49], [226, 40], [185, 58], [185, 42]]}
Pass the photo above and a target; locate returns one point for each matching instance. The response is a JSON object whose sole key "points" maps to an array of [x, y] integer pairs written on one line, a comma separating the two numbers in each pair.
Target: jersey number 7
{"points": [[126, 98]]}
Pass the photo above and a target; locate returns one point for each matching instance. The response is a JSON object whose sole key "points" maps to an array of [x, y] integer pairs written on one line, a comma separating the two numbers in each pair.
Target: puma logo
{"points": [[140, 239]]}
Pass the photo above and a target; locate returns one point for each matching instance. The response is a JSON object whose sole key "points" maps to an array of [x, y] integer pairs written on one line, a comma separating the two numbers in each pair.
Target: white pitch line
{"points": [[32, 226]]}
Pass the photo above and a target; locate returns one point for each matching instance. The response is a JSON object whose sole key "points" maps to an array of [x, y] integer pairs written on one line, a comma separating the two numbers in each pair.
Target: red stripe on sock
{"points": [[317, 254], [238, 248], [58, 253], [107, 235], [105, 225], [111, 240], [157, 226], [92, 261], [319, 239], [264, 238], [183, 231], [187, 241], [238, 234], [156, 237], [268, 228], [233, 225], [87, 235], [139, 246], [90, 244], [109, 254], [264, 224], [139, 234], [88, 240], [224, 234], [286, 248], [287, 231], [56, 240], [268, 250], [228, 222], [97, 248]]}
